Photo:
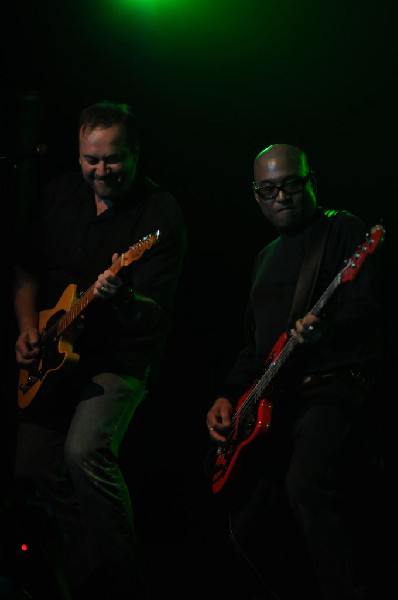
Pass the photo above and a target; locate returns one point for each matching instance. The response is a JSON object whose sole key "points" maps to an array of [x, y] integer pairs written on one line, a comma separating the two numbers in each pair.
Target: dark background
{"points": [[212, 83]]}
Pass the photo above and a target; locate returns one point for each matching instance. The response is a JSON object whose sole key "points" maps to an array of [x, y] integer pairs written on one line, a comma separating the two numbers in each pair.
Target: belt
{"points": [[348, 374]]}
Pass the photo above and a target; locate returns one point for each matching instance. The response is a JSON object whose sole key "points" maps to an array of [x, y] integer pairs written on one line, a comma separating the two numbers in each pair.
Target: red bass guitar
{"points": [[254, 412]]}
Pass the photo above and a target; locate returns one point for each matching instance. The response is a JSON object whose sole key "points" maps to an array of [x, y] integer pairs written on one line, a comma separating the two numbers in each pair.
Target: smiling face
{"points": [[286, 166], [108, 165]]}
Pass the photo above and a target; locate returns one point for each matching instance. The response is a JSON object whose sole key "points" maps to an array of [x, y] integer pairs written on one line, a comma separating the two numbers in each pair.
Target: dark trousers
{"points": [[299, 516], [74, 477]]}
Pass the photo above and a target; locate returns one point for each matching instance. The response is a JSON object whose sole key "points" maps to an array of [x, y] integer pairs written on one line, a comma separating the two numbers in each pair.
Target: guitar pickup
{"points": [[31, 381]]}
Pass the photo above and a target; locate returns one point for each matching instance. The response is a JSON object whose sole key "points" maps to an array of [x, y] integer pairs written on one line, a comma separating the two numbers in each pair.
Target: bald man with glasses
{"points": [[289, 447]]}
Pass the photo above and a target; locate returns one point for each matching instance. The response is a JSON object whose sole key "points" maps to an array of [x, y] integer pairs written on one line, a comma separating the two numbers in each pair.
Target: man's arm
{"points": [[26, 288]]}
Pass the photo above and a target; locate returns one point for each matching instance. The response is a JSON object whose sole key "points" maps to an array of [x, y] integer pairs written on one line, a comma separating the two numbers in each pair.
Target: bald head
{"points": [[281, 156]]}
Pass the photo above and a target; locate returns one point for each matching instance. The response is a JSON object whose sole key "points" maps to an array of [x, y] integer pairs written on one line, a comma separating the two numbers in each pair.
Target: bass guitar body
{"points": [[250, 420]]}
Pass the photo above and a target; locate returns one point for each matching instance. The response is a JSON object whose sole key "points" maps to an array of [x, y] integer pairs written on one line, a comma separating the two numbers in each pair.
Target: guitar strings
{"points": [[262, 383], [82, 301]]}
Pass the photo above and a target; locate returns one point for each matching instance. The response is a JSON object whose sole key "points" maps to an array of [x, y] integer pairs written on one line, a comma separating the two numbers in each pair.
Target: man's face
{"points": [[292, 205], [106, 162]]}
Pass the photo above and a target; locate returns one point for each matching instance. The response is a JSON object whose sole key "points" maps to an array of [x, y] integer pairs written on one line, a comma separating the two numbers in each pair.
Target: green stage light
{"points": [[161, 6]]}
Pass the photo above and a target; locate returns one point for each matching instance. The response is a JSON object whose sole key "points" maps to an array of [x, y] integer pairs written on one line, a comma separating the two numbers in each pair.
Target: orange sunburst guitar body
{"points": [[59, 328]]}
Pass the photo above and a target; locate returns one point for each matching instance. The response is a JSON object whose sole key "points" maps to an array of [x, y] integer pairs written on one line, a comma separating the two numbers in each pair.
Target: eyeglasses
{"points": [[294, 185]]}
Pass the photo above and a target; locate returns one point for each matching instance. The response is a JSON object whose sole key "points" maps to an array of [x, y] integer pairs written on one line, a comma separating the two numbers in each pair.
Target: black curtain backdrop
{"points": [[211, 88]]}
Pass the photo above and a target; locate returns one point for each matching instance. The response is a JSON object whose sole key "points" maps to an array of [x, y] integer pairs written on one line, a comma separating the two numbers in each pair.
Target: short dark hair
{"points": [[105, 114]]}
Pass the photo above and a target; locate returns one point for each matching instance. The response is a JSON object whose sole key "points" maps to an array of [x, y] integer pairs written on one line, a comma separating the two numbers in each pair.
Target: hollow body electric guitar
{"points": [[58, 330], [254, 411]]}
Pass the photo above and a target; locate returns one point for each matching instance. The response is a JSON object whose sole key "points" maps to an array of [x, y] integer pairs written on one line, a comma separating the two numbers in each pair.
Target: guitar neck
{"points": [[316, 309], [79, 305], [270, 373], [276, 363], [76, 310], [66, 320]]}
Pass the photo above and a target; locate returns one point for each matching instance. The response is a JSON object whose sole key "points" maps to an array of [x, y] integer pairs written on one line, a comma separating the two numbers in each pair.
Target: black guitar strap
{"points": [[310, 269]]}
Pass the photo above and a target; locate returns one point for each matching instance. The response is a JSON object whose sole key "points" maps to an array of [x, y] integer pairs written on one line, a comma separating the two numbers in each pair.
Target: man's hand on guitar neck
{"points": [[308, 330], [219, 419], [108, 283]]}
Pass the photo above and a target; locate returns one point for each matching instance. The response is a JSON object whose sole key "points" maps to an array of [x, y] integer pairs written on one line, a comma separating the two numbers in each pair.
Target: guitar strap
{"points": [[310, 269]]}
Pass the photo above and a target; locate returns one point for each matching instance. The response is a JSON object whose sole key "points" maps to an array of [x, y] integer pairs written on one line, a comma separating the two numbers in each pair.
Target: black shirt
{"points": [[71, 245], [352, 338]]}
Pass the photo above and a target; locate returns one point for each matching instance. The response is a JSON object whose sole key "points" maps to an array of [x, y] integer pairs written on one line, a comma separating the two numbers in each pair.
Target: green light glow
{"points": [[179, 23], [163, 7]]}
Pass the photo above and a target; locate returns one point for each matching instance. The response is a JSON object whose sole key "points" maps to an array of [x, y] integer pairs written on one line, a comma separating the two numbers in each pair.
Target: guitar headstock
{"points": [[139, 248], [136, 251], [373, 240]]}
